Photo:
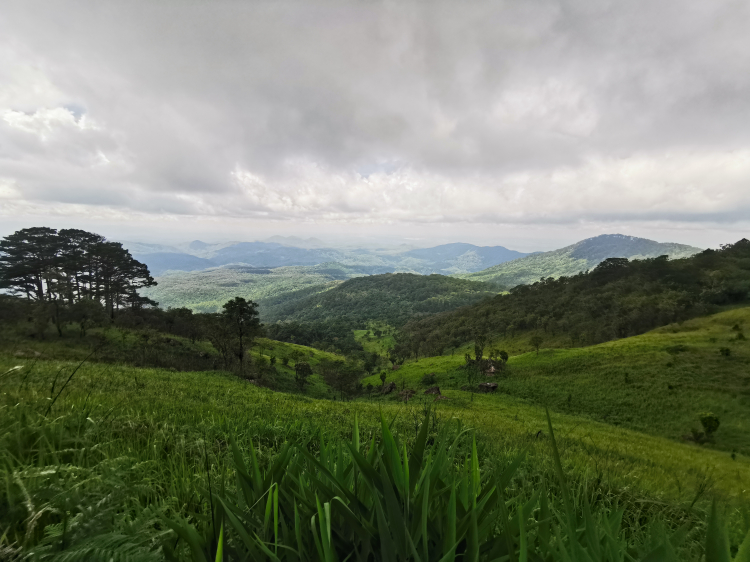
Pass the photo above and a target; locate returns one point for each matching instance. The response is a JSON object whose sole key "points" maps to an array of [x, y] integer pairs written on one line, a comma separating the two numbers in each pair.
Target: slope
{"points": [[577, 257], [657, 383], [392, 298]]}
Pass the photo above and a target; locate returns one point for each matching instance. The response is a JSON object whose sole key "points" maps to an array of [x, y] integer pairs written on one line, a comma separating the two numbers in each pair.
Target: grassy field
{"points": [[657, 383], [160, 433]]}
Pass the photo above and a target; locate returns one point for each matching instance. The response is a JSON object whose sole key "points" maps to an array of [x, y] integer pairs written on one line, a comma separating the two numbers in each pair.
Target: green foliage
{"points": [[536, 341], [710, 422], [428, 379], [70, 266], [616, 300], [392, 298], [302, 371]]}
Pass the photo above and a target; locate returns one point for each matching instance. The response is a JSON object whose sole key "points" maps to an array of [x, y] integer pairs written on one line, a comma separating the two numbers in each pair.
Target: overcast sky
{"points": [[529, 124]]}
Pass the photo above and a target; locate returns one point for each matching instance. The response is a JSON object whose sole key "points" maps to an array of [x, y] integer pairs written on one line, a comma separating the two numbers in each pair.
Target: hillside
{"points": [[656, 383], [392, 298], [581, 256], [618, 298], [182, 433]]}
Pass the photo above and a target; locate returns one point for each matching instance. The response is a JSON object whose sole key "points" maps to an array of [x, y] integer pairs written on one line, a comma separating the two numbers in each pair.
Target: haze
{"points": [[528, 124]]}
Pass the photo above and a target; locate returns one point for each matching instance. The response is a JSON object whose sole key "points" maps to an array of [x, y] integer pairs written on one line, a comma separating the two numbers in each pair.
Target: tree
{"points": [[302, 371], [472, 373], [536, 342], [220, 333], [242, 316], [342, 376], [479, 342], [70, 265]]}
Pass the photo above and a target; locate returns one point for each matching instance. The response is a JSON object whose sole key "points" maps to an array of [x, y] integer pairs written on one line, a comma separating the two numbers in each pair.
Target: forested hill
{"points": [[581, 256], [392, 297], [618, 298]]}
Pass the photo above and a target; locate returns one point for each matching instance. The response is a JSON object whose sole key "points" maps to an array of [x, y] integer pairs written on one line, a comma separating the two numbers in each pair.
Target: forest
{"points": [[617, 299]]}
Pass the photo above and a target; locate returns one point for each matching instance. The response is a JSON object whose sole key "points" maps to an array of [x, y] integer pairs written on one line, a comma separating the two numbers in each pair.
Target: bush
{"points": [[725, 351], [429, 379], [710, 423]]}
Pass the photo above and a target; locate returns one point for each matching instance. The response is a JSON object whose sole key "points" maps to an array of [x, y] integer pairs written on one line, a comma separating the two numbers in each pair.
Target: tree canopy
{"points": [[70, 265]]}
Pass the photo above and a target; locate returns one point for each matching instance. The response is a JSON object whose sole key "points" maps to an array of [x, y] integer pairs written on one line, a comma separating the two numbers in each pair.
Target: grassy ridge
{"points": [[656, 383]]}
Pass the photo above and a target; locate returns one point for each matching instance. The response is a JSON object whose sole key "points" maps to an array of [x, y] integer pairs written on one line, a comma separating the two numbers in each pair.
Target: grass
{"points": [[657, 383], [156, 435]]}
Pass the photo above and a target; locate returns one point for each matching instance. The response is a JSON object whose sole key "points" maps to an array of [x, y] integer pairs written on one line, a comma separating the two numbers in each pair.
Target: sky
{"points": [[529, 124]]}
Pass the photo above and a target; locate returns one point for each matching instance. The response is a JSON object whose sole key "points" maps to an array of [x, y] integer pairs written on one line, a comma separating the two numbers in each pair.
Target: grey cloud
{"points": [[466, 97]]}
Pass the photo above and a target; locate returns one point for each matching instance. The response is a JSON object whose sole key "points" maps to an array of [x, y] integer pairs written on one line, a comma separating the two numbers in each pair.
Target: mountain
{"points": [[459, 257], [393, 298], [160, 262], [581, 256], [282, 252]]}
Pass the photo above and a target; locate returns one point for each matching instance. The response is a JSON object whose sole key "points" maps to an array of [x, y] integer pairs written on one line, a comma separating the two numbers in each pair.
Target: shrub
{"points": [[429, 379], [725, 351], [710, 423]]}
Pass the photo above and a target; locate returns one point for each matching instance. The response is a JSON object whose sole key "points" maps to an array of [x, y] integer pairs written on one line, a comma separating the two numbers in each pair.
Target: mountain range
{"points": [[581, 256], [445, 259]]}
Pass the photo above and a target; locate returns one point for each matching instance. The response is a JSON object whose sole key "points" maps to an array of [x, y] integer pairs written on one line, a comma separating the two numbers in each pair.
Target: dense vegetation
{"points": [[619, 298], [578, 257], [392, 298], [71, 267]]}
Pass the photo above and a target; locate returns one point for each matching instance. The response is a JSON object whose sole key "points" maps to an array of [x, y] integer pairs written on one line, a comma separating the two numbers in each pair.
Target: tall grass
{"points": [[159, 477]]}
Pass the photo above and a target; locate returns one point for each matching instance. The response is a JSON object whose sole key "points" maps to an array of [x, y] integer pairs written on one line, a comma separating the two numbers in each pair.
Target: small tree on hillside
{"points": [[302, 371], [536, 342], [479, 342], [242, 316]]}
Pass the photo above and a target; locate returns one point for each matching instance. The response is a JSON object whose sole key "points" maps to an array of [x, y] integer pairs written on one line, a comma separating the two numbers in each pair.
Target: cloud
{"points": [[525, 113]]}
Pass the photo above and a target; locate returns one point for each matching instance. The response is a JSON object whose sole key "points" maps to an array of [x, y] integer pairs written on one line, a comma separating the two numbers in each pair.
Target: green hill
{"points": [[656, 383], [581, 256], [392, 298], [618, 298]]}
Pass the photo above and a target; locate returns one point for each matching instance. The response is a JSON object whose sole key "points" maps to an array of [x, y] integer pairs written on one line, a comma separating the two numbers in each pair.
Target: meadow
{"points": [[103, 459]]}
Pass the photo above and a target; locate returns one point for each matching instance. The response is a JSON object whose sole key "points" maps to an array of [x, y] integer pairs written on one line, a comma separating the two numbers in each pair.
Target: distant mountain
{"points": [[297, 242], [160, 262], [444, 259], [265, 254], [459, 257], [580, 256]]}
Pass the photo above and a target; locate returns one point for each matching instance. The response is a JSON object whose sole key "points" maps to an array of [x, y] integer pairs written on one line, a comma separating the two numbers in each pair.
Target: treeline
{"points": [[392, 298], [70, 266], [617, 299]]}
